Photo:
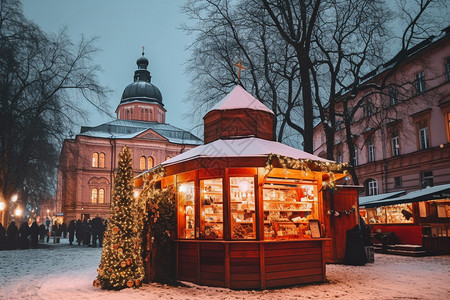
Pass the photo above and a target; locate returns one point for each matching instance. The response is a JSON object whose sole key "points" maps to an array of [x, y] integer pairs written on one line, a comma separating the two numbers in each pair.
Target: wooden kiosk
{"points": [[250, 212]]}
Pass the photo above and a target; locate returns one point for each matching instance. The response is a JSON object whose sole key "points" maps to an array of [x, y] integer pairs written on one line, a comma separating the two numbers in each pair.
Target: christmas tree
{"points": [[121, 264]]}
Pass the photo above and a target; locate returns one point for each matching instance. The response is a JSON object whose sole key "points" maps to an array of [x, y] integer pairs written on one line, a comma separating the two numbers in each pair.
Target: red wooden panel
{"points": [[242, 285], [212, 276], [293, 259], [210, 282], [293, 266], [211, 253], [187, 259], [212, 260], [186, 245], [212, 268], [245, 277], [294, 273], [293, 245], [245, 246], [291, 252], [244, 261], [244, 253], [187, 252], [291, 281], [244, 269]]}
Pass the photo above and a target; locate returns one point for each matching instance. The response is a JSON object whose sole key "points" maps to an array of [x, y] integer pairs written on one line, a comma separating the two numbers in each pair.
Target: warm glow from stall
{"points": [[14, 198], [244, 186], [2, 206]]}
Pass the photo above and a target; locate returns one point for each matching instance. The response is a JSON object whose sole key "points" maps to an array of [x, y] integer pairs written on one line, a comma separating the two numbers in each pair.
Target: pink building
{"points": [[87, 162], [401, 134]]}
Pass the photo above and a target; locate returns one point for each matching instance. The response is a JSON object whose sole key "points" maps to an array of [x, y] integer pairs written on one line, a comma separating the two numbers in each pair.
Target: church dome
{"points": [[142, 89]]}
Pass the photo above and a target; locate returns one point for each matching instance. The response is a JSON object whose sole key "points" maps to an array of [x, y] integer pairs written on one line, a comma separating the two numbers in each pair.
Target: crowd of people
{"points": [[87, 233]]}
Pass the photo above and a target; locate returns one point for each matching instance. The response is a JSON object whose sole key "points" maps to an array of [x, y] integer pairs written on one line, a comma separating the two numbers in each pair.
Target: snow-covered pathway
{"points": [[66, 272]]}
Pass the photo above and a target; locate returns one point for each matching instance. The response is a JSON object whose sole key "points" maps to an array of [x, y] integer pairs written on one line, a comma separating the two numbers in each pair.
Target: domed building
{"points": [[88, 161]]}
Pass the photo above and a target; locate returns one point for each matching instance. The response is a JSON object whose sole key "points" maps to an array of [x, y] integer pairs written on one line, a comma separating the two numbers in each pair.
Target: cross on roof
{"points": [[240, 66], [143, 50]]}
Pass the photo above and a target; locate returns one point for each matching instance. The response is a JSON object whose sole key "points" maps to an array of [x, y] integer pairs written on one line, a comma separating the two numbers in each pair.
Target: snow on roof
{"points": [[244, 147], [240, 98]]}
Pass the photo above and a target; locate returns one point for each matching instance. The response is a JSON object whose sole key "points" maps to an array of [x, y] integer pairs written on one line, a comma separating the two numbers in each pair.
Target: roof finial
{"points": [[240, 66], [143, 50]]}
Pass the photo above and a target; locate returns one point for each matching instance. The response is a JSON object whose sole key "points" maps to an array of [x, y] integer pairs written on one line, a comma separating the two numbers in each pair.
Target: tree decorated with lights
{"points": [[121, 264]]}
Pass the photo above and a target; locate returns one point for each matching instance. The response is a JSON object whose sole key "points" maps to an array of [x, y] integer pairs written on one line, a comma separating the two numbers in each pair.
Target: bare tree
{"points": [[38, 73]]}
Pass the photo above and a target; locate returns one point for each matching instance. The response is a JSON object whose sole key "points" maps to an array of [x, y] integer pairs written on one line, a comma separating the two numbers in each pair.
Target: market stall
{"points": [[419, 218], [250, 211]]}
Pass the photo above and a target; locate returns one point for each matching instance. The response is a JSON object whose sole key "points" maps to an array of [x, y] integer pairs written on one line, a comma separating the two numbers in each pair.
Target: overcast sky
{"points": [[123, 27]]}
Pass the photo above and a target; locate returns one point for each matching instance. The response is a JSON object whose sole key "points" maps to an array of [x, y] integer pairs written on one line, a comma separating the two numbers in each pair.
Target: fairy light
{"points": [[121, 264]]}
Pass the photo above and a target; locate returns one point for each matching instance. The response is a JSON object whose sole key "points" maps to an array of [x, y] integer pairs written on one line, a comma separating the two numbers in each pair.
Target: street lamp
{"points": [[14, 198]]}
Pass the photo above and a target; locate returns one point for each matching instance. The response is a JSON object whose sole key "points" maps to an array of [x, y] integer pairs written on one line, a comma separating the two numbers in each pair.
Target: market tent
{"points": [[363, 201], [431, 193]]}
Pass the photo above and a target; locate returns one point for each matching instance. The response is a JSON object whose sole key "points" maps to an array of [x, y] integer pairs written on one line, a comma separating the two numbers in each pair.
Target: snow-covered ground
{"points": [[66, 272]]}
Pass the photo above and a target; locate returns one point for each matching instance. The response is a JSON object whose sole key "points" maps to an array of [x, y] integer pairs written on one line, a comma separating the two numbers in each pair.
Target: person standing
{"points": [[42, 232], [12, 236], [34, 233], [64, 230], [79, 231], [71, 231], [24, 233], [2, 237]]}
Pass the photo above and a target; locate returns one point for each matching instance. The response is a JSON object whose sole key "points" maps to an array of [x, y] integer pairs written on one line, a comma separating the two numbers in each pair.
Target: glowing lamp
{"points": [[2, 206], [244, 186], [18, 212], [14, 198]]}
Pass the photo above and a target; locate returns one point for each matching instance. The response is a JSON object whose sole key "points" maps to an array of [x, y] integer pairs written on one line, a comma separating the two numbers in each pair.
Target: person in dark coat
{"points": [[71, 231], [24, 233], [42, 232], [86, 232], [2, 237], [97, 228], [64, 230], [79, 231], [12, 235], [34, 233]]}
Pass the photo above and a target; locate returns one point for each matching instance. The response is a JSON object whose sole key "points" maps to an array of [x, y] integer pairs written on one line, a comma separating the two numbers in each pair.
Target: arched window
{"points": [[101, 196], [150, 162], [142, 114], [95, 160], [128, 115], [142, 163], [101, 160], [94, 195], [146, 115]]}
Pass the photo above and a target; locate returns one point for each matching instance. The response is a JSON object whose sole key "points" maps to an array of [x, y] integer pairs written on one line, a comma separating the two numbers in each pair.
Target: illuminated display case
{"points": [[242, 207], [211, 209], [390, 214], [288, 207], [186, 207]]}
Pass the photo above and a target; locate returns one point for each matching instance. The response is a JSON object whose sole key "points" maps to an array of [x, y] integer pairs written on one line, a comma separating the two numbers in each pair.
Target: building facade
{"points": [[88, 161], [401, 132]]}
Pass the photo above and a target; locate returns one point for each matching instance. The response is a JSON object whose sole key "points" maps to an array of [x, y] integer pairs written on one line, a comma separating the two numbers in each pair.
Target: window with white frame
{"points": [[427, 179], [420, 82], [395, 145], [101, 196], [355, 158], [424, 141], [398, 181], [372, 187], [368, 108], [371, 150]]}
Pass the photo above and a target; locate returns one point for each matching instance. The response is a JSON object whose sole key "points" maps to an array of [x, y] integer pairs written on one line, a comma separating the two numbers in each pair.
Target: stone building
{"points": [[88, 161]]}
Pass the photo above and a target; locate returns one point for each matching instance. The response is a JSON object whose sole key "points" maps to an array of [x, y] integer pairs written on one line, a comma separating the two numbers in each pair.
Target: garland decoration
{"points": [[309, 166]]}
